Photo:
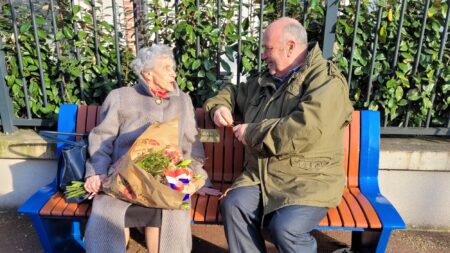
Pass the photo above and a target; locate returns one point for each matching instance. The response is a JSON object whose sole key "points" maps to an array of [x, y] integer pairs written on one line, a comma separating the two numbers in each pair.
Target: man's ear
{"points": [[291, 47]]}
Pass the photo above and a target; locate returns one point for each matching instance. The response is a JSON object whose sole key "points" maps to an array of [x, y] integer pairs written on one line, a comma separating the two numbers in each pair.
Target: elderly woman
{"points": [[126, 113]]}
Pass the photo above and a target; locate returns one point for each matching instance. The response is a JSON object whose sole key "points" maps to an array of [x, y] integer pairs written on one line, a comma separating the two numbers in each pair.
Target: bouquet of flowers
{"points": [[152, 173]]}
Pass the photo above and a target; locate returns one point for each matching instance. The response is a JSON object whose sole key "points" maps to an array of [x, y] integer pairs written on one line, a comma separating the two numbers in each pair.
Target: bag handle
{"points": [[54, 135]]}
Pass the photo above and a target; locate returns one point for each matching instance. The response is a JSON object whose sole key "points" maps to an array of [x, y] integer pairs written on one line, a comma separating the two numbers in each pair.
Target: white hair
{"points": [[147, 57], [296, 31]]}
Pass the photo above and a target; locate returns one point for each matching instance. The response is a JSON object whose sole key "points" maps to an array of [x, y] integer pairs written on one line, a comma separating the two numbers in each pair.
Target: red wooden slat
{"points": [[353, 173], [335, 219], [324, 222], [193, 205], [46, 210], [99, 109], [208, 146], [346, 214], [91, 117], [59, 207], [238, 158], [200, 209], [70, 209], [228, 152], [346, 152], [212, 209], [81, 119], [355, 209], [83, 209], [88, 212], [200, 118], [218, 156], [371, 215]]}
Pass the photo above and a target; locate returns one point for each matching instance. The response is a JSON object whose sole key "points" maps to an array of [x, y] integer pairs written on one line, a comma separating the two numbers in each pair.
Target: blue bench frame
{"points": [[370, 240], [64, 234]]}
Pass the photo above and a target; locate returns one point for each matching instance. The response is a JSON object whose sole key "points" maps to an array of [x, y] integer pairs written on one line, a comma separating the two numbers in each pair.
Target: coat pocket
{"points": [[312, 164]]}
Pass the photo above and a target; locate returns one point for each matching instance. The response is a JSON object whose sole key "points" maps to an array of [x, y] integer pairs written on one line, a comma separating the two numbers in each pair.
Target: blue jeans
{"points": [[289, 226]]}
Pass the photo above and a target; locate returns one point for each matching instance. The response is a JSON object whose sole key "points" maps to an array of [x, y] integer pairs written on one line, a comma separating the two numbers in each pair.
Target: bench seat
{"points": [[362, 210]]}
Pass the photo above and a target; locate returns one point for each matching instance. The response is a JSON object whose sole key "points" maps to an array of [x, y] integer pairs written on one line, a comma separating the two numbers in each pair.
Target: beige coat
{"points": [[125, 114]]}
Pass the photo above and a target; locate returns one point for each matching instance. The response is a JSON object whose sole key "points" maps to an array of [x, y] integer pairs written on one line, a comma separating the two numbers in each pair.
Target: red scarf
{"points": [[159, 93]]}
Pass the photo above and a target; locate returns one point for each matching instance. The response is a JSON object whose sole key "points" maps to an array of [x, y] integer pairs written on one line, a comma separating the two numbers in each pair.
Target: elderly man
{"points": [[294, 116]]}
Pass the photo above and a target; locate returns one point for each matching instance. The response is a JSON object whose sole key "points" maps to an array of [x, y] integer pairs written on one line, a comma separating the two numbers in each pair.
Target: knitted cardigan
{"points": [[125, 114]]}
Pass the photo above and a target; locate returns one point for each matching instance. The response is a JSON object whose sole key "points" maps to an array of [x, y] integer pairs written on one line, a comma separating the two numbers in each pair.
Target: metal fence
{"points": [[334, 12]]}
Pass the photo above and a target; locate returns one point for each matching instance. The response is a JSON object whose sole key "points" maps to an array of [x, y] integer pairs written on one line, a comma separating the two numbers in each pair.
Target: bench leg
{"points": [[76, 233], [40, 227], [370, 241], [58, 235]]}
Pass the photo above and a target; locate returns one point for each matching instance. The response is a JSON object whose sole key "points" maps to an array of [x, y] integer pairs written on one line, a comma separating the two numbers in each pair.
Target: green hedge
{"points": [[395, 89]]}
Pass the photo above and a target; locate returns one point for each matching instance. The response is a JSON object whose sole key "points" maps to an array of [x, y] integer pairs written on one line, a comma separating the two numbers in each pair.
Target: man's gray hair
{"points": [[147, 57], [297, 32]]}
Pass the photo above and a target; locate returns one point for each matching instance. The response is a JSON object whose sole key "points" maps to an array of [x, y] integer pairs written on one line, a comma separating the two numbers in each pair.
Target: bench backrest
{"points": [[224, 163], [224, 159]]}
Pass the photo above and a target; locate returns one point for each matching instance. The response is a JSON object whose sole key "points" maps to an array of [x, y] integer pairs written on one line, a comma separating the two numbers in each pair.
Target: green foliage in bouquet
{"points": [[154, 162]]}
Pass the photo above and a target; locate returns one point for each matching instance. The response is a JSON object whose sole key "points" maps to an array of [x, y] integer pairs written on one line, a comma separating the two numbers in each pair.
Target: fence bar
{"points": [[305, 10], [55, 29], [116, 36], [422, 35], [218, 5], [374, 52], [57, 47], [19, 59], [197, 38], [261, 21], [38, 51], [157, 14], [440, 55], [399, 33], [136, 20], [94, 21], [355, 29], [330, 28], [6, 110], [283, 8], [77, 52], [239, 55]]}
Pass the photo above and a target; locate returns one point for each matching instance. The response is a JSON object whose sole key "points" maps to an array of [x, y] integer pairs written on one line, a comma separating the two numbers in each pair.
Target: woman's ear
{"points": [[148, 77]]}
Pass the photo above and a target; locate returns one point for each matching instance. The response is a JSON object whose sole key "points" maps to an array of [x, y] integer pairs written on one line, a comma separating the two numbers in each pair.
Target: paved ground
{"points": [[17, 235]]}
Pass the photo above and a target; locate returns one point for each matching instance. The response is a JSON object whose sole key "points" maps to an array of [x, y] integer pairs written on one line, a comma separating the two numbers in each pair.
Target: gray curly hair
{"points": [[147, 57]]}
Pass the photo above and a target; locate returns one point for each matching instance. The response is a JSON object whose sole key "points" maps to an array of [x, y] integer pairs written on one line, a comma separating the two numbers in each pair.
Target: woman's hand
{"points": [[93, 184], [208, 191]]}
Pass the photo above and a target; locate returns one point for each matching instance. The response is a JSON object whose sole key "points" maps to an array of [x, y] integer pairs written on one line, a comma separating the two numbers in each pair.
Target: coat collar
{"points": [[142, 87]]}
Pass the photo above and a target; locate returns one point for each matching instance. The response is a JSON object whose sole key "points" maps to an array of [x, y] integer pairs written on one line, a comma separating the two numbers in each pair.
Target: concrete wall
{"points": [[414, 175]]}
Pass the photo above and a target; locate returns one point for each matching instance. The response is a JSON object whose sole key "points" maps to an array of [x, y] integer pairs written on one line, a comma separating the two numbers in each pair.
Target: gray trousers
{"points": [[289, 226]]}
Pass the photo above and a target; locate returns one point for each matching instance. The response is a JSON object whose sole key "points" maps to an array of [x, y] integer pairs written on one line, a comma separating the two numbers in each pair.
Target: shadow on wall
{"points": [[20, 178]]}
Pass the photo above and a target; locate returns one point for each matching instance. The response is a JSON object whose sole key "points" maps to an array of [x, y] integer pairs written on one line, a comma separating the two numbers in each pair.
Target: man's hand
{"points": [[93, 184], [223, 117], [239, 132], [208, 191]]}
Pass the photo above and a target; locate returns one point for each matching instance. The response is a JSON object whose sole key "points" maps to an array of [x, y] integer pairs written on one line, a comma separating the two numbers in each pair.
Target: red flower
{"points": [[128, 193]]}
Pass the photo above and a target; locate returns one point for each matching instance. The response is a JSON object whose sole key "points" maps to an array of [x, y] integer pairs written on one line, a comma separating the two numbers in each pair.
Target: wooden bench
{"points": [[363, 210]]}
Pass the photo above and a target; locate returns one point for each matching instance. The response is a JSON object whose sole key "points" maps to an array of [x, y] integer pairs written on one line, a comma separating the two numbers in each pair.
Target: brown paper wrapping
{"points": [[128, 182]]}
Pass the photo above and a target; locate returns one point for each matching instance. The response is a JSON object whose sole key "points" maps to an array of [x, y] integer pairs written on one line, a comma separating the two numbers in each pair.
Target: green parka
{"points": [[294, 136]]}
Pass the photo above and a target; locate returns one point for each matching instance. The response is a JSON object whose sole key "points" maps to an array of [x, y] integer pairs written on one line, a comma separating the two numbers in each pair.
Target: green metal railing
{"points": [[9, 121]]}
